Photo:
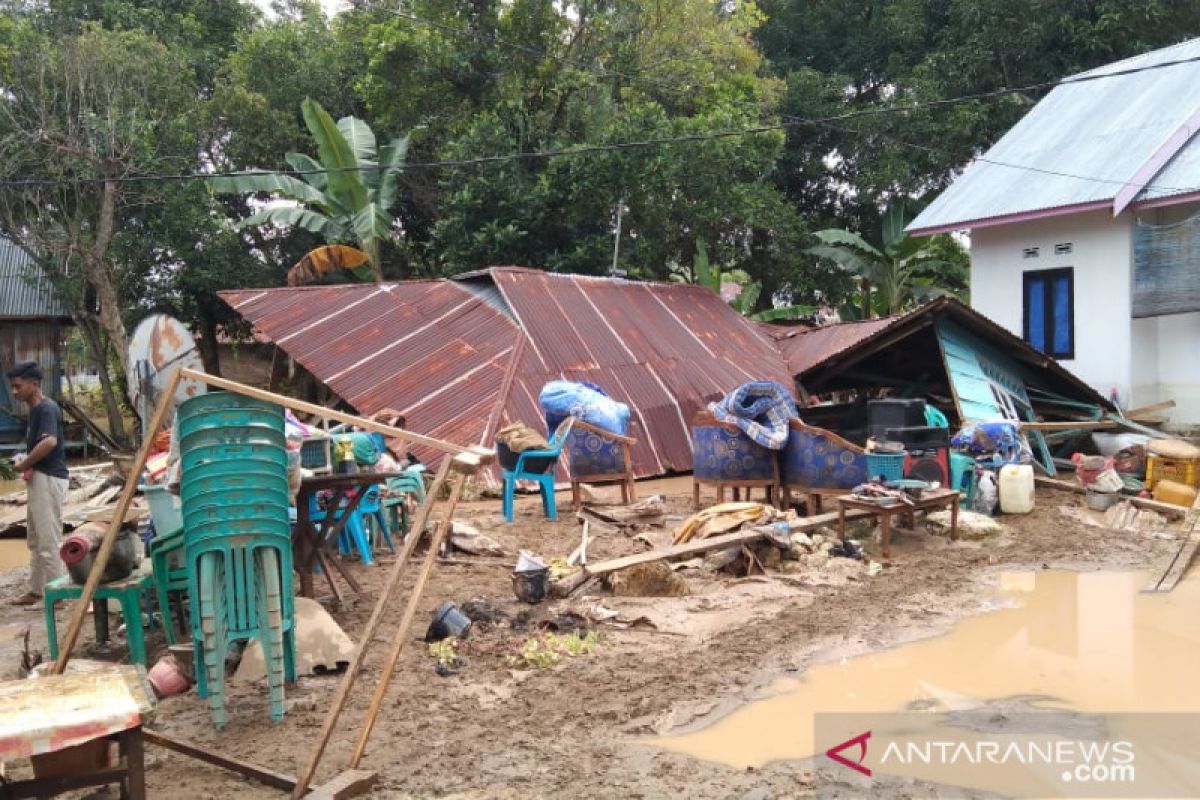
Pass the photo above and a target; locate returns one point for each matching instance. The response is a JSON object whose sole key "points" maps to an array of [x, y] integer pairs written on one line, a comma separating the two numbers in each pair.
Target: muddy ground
{"points": [[577, 729]]}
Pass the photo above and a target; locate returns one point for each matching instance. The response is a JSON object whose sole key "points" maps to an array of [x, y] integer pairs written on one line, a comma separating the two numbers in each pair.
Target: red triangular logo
{"points": [[835, 753]]}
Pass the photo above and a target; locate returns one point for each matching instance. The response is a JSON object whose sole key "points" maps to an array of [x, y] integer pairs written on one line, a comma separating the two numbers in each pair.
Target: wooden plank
{"points": [[276, 780], [97, 433], [1178, 565], [350, 783], [368, 634], [1130, 425], [1081, 425], [401, 637], [79, 610], [714, 543], [310, 408], [1150, 409], [1173, 511]]}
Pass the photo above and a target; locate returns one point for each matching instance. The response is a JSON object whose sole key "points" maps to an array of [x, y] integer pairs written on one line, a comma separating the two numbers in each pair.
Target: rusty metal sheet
{"points": [[439, 350], [806, 347]]}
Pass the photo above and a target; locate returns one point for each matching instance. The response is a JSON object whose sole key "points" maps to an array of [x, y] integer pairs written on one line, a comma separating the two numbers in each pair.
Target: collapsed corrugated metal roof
{"points": [[463, 358], [25, 292], [882, 352], [805, 347]]}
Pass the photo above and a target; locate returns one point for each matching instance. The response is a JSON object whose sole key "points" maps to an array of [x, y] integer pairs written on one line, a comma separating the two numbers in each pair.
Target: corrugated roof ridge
{"points": [[1150, 56]]}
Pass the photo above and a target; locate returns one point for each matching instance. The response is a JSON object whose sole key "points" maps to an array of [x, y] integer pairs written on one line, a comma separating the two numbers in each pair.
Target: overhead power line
{"points": [[585, 150]]}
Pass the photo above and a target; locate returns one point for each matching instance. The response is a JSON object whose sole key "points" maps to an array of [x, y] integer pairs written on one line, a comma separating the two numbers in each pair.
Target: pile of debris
{"points": [[91, 497]]}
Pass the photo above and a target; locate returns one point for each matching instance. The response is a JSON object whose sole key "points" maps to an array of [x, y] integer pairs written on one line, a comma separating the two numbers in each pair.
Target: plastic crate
{"points": [[1180, 470], [888, 466]]}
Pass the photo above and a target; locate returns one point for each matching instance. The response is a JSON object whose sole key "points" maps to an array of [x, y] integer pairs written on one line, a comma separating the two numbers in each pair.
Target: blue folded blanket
{"points": [[762, 409]]}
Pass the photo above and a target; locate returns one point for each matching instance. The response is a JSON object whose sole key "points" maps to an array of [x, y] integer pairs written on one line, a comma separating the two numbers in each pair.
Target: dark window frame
{"points": [[1048, 277]]}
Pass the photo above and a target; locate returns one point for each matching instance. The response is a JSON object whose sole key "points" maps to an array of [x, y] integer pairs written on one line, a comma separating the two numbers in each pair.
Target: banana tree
{"points": [[343, 195], [706, 274], [898, 273]]}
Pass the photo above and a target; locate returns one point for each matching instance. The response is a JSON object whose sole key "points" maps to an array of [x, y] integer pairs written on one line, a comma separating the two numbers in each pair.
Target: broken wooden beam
{"points": [[350, 783], [267, 777], [715, 542], [1141, 411], [1177, 566], [1081, 425], [1173, 511]]}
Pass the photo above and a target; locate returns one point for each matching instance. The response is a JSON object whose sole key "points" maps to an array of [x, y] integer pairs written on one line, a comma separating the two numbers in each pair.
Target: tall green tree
{"points": [[81, 114], [344, 195]]}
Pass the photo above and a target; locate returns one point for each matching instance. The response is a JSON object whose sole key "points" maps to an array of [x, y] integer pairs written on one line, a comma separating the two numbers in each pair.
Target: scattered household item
{"points": [[1130, 462], [448, 622], [237, 539], [166, 509], [596, 456], [1016, 489], [1109, 444], [468, 539], [535, 465], [517, 438], [1108, 481], [725, 456], [1174, 492], [885, 466], [1172, 459], [885, 511], [987, 494], [893, 413], [321, 645], [723, 518], [818, 463], [48, 719], [1099, 500], [167, 678], [963, 476], [585, 401], [1001, 439], [78, 549], [1088, 468], [531, 578], [971, 525], [761, 409], [127, 591]]}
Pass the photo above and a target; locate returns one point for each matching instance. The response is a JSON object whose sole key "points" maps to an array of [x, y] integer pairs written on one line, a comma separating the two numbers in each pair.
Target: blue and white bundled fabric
{"points": [[762, 409], [987, 438], [585, 401]]}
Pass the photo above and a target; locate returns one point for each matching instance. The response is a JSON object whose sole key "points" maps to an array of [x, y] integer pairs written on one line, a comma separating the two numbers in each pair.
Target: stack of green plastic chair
{"points": [[237, 539]]}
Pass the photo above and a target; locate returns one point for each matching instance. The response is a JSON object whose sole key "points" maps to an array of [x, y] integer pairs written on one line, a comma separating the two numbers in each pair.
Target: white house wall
{"points": [[1169, 347], [1101, 249]]}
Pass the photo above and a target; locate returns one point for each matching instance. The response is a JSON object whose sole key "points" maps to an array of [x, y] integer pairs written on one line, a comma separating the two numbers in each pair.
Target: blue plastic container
{"points": [[887, 466]]}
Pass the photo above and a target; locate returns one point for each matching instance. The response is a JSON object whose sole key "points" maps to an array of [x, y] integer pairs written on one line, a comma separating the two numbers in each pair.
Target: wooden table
{"points": [[938, 498], [314, 543], [42, 719]]}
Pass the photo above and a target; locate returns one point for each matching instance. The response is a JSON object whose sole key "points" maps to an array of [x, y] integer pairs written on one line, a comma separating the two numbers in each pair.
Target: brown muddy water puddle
{"points": [[13, 553], [1083, 642]]}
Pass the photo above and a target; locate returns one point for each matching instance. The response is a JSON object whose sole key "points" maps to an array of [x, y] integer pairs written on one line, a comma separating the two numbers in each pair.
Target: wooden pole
{"points": [[261, 774], [406, 621], [385, 595], [310, 408], [79, 610]]}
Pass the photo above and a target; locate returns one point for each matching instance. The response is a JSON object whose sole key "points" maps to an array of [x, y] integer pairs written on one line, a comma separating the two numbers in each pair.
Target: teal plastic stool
{"points": [[962, 477], [128, 592], [170, 578]]}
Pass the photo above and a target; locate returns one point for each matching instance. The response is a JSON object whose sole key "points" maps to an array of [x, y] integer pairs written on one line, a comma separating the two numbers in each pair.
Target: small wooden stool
{"points": [[128, 592]]}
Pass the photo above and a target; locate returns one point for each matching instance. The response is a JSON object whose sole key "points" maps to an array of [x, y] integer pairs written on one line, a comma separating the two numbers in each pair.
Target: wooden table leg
{"points": [[328, 573], [954, 518], [841, 522], [886, 522], [100, 615], [134, 785]]}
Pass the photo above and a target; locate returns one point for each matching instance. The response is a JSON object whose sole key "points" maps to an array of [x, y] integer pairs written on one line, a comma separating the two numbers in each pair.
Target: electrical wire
{"points": [[576, 151]]}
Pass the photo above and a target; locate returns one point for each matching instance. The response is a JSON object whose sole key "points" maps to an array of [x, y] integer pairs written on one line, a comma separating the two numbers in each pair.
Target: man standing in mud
{"points": [[44, 469]]}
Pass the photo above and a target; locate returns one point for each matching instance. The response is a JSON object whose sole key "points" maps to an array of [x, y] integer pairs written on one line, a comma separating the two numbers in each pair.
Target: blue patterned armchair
{"points": [[818, 462], [597, 456], [724, 456]]}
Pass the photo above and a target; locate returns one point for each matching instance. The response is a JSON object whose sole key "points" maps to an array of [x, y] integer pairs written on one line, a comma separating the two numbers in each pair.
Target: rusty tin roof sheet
{"points": [[441, 351]]}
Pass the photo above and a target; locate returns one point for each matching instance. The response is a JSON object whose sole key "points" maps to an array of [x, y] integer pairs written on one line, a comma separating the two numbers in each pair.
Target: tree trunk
{"points": [[210, 350], [95, 267], [112, 405]]}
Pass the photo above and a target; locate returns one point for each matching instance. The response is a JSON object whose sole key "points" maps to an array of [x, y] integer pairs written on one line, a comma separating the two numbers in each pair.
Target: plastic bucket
{"points": [[531, 586], [165, 508], [448, 621]]}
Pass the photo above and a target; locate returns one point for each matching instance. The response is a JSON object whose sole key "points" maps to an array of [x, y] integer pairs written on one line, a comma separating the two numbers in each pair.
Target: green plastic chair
{"points": [[170, 580], [127, 591]]}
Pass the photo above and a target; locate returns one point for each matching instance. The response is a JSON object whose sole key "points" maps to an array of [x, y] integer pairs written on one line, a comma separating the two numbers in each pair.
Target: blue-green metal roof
{"points": [[25, 292], [1082, 144]]}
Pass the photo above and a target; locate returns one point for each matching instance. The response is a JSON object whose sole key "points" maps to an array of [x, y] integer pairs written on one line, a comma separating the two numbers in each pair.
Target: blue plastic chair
{"points": [[537, 466], [353, 534]]}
